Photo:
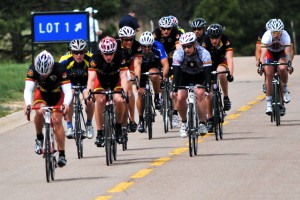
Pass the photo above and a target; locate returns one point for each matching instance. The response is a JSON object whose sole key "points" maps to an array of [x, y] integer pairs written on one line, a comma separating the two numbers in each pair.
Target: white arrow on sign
{"points": [[78, 26]]}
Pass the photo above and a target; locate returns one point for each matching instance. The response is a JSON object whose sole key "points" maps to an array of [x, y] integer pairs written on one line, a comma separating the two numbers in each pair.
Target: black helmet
{"points": [[215, 30]]}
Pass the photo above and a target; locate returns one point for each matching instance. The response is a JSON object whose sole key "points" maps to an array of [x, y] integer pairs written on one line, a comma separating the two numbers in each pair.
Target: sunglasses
{"points": [[78, 52], [197, 29], [109, 54], [128, 39], [214, 36], [276, 32], [187, 46], [145, 46], [165, 28]]}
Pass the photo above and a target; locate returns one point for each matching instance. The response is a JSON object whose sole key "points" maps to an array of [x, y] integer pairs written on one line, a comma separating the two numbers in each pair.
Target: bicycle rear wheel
{"points": [[107, 132], [47, 152]]}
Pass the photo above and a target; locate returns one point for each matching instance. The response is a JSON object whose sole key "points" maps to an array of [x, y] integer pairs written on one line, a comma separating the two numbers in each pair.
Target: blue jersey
{"points": [[159, 50]]}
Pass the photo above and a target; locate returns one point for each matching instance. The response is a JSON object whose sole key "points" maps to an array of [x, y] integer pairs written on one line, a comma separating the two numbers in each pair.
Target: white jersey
{"points": [[192, 64], [275, 45], [94, 28]]}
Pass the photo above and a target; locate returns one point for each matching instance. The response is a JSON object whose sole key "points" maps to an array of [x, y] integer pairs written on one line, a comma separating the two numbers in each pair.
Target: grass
{"points": [[12, 80]]}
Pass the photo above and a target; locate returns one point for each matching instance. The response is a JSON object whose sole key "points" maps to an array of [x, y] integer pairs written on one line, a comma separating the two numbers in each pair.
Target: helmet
{"points": [[188, 37], [198, 23], [77, 45], [44, 63], [174, 20], [108, 45], [126, 31], [147, 38], [165, 22], [274, 25], [215, 30]]}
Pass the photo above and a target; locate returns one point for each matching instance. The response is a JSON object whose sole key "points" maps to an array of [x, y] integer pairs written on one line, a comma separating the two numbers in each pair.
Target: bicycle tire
{"points": [[52, 158], [107, 133], [195, 138], [148, 115], [276, 104], [216, 115], [78, 134], [221, 117], [190, 122], [47, 152], [165, 110]]}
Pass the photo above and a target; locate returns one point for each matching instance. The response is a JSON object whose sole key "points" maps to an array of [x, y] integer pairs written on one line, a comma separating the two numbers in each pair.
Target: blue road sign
{"points": [[60, 26]]}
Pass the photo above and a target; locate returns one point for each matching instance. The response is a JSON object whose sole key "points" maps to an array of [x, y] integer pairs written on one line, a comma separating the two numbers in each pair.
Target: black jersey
{"points": [[150, 60], [136, 50], [77, 72], [218, 54], [169, 42], [105, 69], [51, 83]]}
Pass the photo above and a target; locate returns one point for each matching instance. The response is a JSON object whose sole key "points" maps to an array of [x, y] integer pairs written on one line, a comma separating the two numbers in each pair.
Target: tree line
{"points": [[243, 20]]}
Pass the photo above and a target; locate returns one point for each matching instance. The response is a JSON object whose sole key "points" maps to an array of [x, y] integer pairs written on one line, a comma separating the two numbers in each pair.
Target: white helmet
{"points": [[174, 20], [275, 25], [108, 45], [146, 38], [44, 63], [165, 22], [188, 37], [77, 45], [126, 31]]}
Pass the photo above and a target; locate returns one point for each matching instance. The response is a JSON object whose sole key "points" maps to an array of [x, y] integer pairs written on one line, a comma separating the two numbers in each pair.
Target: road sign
{"points": [[56, 27]]}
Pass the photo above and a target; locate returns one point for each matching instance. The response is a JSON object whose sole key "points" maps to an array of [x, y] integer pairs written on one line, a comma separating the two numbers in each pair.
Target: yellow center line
{"points": [[233, 116], [160, 161], [244, 108], [142, 173], [252, 103], [178, 151], [120, 187], [103, 198]]}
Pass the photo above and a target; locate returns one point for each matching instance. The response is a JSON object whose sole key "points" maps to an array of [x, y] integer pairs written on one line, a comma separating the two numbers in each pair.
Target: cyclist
{"points": [[258, 48], [198, 27], [77, 61], [53, 88], [175, 24], [276, 46], [221, 51], [192, 66], [133, 55], [169, 37], [153, 56], [108, 69]]}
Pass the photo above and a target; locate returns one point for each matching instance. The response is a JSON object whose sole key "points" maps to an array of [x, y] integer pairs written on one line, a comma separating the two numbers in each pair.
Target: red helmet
{"points": [[108, 45]]}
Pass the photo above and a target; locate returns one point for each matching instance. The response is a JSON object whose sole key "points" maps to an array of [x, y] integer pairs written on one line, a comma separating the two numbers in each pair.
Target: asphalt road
{"points": [[256, 159]]}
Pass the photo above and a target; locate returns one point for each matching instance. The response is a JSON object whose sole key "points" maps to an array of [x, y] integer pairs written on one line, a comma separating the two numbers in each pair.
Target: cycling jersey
{"points": [[77, 72], [275, 45], [191, 67], [169, 42], [218, 55], [135, 50], [108, 74], [201, 39]]}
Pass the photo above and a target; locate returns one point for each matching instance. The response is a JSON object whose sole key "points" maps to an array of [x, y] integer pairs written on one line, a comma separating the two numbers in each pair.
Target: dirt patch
{"points": [[11, 107]]}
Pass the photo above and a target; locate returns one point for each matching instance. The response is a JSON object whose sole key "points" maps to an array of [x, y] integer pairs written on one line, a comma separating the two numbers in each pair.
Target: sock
{"points": [[88, 122], [175, 112], [156, 96], [100, 133], [62, 153], [226, 97], [269, 101], [141, 118], [285, 88], [69, 125], [40, 136]]}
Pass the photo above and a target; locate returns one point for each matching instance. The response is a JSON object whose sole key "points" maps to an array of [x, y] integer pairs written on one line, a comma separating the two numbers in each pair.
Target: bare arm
{"points": [[257, 53], [137, 67], [165, 65], [263, 55], [124, 81], [229, 57]]}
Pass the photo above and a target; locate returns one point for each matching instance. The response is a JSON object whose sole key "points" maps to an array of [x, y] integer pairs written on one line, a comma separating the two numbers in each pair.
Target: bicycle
{"points": [[277, 96], [49, 152], [149, 113], [167, 105], [192, 118], [80, 127], [217, 106], [110, 137]]}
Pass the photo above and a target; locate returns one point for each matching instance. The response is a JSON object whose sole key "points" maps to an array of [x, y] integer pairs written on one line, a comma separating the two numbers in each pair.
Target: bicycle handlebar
{"points": [[29, 108], [220, 72], [109, 92]]}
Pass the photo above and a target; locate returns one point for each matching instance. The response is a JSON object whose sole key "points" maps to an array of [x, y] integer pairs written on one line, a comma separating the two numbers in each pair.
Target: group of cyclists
{"points": [[187, 58]]}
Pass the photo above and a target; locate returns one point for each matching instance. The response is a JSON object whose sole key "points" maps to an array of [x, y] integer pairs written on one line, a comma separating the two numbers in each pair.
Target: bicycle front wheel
{"points": [[216, 114], [190, 122], [47, 152], [78, 134], [276, 104], [107, 132], [221, 117], [165, 110], [148, 114]]}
